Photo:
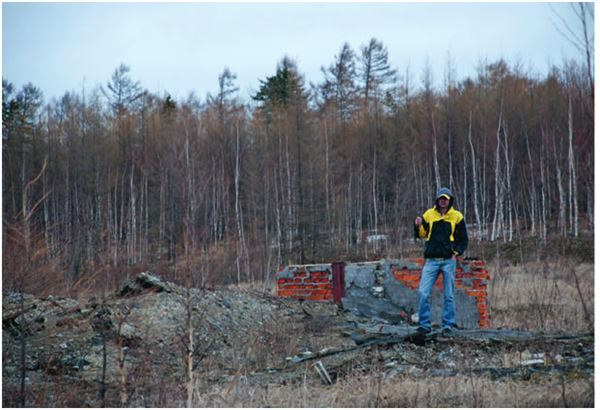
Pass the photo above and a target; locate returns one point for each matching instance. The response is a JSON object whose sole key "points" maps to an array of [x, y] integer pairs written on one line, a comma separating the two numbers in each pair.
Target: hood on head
{"points": [[444, 192]]}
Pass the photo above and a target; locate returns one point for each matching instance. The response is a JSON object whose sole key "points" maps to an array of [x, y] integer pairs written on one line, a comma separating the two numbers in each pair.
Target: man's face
{"points": [[443, 202]]}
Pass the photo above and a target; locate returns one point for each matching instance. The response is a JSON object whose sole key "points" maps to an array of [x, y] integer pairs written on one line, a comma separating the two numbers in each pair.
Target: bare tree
{"points": [[375, 70], [574, 214], [581, 37], [475, 179], [122, 90]]}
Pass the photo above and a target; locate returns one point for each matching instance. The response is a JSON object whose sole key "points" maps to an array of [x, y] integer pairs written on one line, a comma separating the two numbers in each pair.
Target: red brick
{"points": [[484, 274], [300, 287], [301, 294], [409, 278], [320, 297]]}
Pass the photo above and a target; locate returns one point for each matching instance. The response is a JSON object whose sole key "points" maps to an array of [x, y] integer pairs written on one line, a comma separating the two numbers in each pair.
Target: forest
{"points": [[103, 183]]}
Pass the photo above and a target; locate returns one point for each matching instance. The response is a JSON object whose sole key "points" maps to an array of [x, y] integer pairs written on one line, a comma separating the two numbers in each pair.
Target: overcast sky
{"points": [[178, 48]]}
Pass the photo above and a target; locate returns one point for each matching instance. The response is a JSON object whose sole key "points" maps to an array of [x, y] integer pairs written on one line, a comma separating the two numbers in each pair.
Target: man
{"points": [[446, 239]]}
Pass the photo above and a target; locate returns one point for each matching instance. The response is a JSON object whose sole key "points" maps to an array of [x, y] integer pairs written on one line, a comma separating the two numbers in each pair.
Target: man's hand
{"points": [[418, 221]]}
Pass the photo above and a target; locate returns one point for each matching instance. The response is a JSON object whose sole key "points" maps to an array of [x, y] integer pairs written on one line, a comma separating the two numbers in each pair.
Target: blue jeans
{"points": [[430, 273]]}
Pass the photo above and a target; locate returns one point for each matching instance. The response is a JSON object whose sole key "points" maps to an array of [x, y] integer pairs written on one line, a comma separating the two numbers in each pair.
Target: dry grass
{"points": [[542, 296], [374, 391]]}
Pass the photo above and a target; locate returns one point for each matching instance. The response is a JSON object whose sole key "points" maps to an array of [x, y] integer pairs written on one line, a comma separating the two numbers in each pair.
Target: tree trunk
{"points": [[47, 234], [374, 191], [496, 222], [327, 199], [436, 167], [544, 188], [241, 242], [132, 234], [278, 220], [532, 187], [475, 182], [162, 215], [562, 206], [267, 228], [574, 212], [290, 222], [508, 189], [349, 224]]}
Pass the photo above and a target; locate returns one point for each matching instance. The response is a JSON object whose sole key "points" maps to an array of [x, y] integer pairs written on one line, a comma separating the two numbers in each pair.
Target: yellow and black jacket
{"points": [[446, 234]]}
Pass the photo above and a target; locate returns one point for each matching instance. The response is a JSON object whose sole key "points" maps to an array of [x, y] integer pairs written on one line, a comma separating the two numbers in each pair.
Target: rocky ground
{"points": [[129, 349]]}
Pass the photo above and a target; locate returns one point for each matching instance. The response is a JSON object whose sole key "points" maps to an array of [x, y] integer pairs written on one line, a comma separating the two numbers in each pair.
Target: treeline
{"points": [[121, 177]]}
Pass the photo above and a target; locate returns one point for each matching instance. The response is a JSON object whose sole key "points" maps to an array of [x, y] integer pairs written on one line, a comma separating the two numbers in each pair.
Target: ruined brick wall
{"points": [[370, 285], [310, 282]]}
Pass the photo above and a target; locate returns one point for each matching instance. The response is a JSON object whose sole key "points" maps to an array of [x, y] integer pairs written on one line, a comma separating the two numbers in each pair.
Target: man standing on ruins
{"points": [[445, 232]]}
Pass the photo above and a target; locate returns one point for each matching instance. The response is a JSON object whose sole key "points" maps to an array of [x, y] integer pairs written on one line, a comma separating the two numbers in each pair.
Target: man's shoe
{"points": [[423, 330], [447, 332]]}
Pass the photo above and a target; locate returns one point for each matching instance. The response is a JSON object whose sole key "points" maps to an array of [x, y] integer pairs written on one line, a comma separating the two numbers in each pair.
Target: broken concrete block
{"points": [[143, 282], [359, 275]]}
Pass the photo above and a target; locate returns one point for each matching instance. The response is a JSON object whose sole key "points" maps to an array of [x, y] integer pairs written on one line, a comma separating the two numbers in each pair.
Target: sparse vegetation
{"points": [[373, 390], [542, 296], [250, 367]]}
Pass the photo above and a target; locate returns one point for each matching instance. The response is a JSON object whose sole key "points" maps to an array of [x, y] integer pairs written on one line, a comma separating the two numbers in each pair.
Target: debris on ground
{"points": [[265, 339]]}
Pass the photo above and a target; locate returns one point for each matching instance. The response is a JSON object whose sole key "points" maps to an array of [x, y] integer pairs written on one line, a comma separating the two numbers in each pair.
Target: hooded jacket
{"points": [[446, 235]]}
